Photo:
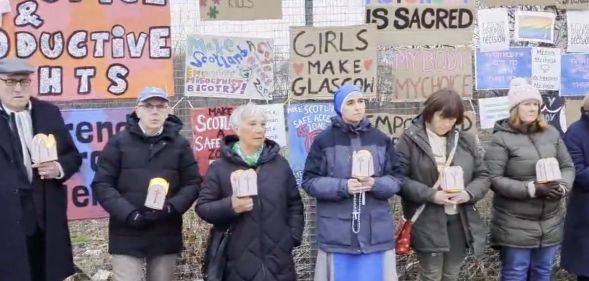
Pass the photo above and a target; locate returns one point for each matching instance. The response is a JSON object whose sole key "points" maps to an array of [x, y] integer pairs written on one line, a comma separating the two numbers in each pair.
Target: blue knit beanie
{"points": [[341, 94]]}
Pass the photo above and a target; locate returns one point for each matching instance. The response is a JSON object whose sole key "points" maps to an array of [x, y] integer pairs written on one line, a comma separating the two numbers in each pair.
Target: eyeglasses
{"points": [[158, 107], [25, 82]]}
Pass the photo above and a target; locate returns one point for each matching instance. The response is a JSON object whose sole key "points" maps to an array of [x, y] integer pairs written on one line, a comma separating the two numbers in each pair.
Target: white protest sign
{"points": [[275, 124], [493, 30], [491, 110], [578, 31], [546, 68]]}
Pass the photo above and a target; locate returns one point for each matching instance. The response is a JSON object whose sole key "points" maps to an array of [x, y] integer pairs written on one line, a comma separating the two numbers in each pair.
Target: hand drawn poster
{"points": [[546, 68], [554, 112], [495, 70], [91, 49], [305, 122], [534, 26], [240, 9], [578, 31], [493, 30], [324, 58], [211, 125], [419, 23], [394, 125], [91, 129], [229, 67], [574, 75], [419, 73]]}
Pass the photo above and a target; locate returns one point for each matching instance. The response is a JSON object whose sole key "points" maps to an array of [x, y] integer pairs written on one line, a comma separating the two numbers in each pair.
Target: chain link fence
{"points": [[90, 237]]}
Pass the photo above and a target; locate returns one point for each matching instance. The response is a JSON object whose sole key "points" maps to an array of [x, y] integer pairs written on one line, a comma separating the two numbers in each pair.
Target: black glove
{"points": [[543, 190], [555, 194], [157, 215], [137, 220]]}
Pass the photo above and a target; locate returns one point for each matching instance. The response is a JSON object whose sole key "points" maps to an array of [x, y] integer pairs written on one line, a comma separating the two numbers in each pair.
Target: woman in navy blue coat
{"points": [[575, 246]]}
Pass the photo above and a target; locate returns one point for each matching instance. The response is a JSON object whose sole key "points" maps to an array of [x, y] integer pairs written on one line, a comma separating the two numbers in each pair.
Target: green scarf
{"points": [[251, 160]]}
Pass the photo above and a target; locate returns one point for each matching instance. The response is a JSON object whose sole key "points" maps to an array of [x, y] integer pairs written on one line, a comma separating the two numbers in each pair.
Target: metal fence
{"points": [[90, 236]]}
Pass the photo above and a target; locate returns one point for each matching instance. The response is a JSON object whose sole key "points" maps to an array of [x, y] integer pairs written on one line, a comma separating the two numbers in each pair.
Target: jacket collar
{"points": [[417, 133]]}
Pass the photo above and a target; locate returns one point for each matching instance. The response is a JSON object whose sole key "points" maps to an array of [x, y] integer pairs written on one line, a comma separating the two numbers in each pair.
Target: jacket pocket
{"points": [[335, 230], [381, 227]]}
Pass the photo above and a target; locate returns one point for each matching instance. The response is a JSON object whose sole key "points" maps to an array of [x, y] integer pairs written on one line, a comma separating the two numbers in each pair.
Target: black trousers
{"points": [[36, 251]]}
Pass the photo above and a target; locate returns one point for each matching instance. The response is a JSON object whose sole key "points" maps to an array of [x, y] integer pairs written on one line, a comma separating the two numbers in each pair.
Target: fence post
{"points": [[309, 12]]}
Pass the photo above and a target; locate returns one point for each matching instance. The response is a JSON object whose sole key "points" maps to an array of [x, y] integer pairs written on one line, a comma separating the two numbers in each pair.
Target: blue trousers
{"points": [[535, 264]]}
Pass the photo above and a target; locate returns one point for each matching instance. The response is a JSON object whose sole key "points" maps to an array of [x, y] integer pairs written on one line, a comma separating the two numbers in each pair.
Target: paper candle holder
{"points": [[43, 149], [452, 179], [156, 193], [244, 183], [362, 163], [548, 170]]}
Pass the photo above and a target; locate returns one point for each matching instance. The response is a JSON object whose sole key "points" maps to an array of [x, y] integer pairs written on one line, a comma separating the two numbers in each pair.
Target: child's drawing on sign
{"points": [[308, 136], [258, 69], [229, 67]]}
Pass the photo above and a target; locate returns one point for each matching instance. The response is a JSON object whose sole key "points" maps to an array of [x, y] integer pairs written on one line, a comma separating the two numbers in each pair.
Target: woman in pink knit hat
{"points": [[527, 216]]}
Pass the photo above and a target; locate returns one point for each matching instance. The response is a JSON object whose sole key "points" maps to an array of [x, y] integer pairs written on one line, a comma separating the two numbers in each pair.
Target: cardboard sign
{"points": [[240, 10], [419, 73], [324, 58], [493, 29], [452, 179], [43, 149], [423, 23], [244, 183], [548, 170], [362, 164], [156, 193]]}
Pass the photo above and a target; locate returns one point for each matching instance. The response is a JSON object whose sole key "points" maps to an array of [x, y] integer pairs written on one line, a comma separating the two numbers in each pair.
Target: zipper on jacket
{"points": [[261, 236], [543, 201]]}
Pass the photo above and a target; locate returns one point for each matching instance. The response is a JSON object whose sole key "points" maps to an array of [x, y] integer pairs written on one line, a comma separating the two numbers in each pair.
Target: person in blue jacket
{"points": [[575, 245], [356, 240]]}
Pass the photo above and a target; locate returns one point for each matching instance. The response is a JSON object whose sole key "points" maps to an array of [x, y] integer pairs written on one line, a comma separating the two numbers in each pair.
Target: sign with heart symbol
{"points": [[452, 179], [244, 183], [546, 68], [156, 193], [43, 149], [548, 170]]}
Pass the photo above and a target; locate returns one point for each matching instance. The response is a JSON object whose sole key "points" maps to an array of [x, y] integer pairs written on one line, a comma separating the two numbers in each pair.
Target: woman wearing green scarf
{"points": [[267, 218]]}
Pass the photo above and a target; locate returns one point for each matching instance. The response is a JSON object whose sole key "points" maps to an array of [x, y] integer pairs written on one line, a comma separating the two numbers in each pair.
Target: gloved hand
{"points": [[543, 190], [157, 215], [137, 220], [555, 194]]}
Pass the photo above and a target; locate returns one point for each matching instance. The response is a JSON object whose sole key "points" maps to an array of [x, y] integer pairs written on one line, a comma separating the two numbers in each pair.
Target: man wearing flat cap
{"points": [[146, 178], [34, 240]]}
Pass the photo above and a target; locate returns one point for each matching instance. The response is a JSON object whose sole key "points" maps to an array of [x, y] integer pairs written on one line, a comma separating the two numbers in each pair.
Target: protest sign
{"points": [[210, 125], [495, 70], [229, 67], [324, 58], [574, 75], [419, 73], [563, 4], [534, 26], [554, 111], [91, 49], [493, 30], [305, 122], [411, 22], [394, 125], [91, 129], [546, 68], [578, 31], [491, 110], [240, 10]]}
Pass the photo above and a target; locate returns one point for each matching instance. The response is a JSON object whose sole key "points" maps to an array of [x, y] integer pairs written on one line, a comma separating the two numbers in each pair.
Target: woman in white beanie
{"points": [[527, 217]]}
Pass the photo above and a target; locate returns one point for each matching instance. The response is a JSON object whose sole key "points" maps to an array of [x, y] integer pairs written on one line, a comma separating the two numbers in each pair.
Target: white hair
{"points": [[244, 111]]}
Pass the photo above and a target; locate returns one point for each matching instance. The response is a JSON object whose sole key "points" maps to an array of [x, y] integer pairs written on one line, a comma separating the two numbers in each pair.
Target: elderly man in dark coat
{"points": [[35, 242]]}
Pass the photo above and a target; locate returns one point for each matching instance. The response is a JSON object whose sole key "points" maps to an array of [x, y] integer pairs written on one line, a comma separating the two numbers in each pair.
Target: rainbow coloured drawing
{"points": [[535, 27]]}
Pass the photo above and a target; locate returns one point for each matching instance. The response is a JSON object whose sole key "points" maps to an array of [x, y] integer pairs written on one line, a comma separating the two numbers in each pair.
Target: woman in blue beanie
{"points": [[355, 229]]}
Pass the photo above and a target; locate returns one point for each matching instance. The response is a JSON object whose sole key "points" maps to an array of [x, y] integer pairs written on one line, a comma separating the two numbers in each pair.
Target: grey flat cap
{"points": [[15, 66]]}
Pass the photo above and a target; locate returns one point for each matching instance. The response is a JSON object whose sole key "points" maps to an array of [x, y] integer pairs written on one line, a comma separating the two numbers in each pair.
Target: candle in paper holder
{"points": [[244, 183], [156, 193], [548, 170], [362, 164], [43, 149], [452, 179]]}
